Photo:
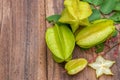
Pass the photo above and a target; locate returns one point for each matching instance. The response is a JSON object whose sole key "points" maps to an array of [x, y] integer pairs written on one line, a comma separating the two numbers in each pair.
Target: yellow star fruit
{"points": [[60, 40], [76, 65], [75, 13], [95, 33]]}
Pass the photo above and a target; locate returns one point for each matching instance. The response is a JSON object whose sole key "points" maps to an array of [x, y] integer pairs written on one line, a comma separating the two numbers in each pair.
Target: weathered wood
{"points": [[22, 44]]}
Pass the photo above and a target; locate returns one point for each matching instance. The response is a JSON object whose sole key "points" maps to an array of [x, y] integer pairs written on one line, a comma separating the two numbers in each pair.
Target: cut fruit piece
{"points": [[75, 66], [102, 66]]}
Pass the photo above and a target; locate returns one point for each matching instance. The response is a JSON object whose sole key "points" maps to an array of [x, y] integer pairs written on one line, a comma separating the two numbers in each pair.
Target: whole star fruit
{"points": [[60, 40], [95, 33], [75, 13], [76, 65]]}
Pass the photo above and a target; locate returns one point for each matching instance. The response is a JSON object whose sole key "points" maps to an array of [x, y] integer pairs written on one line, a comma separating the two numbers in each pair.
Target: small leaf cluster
{"points": [[102, 7]]}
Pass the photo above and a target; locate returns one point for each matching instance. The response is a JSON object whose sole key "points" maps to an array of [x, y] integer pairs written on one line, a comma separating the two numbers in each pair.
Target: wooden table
{"points": [[23, 51]]}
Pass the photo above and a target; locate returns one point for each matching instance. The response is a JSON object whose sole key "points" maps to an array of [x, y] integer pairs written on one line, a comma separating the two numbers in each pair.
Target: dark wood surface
{"points": [[23, 51]]}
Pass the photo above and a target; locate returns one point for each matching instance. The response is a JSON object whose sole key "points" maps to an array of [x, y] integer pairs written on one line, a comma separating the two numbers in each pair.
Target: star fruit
{"points": [[60, 40], [95, 33], [76, 65], [102, 66], [75, 13]]}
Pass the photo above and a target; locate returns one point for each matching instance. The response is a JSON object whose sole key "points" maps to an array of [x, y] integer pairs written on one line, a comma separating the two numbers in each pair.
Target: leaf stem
{"points": [[118, 30], [99, 11], [112, 47]]}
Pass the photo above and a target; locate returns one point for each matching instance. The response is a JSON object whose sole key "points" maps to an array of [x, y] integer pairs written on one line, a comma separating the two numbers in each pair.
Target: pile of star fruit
{"points": [[73, 27]]}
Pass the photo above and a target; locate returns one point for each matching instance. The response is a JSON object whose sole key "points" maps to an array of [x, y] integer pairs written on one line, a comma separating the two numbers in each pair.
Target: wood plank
{"points": [[56, 71], [22, 44]]}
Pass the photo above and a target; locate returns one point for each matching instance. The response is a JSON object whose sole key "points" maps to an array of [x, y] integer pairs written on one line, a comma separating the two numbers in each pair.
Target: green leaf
{"points": [[107, 6], [95, 15], [94, 2], [99, 48], [84, 49], [117, 22], [115, 17], [115, 33], [92, 7], [89, 1], [53, 18], [117, 7]]}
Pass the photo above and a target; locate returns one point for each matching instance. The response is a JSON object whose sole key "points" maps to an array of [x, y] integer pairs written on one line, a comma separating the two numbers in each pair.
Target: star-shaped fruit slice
{"points": [[102, 66]]}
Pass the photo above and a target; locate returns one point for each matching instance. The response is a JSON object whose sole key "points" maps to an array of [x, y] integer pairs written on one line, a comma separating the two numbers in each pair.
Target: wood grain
{"points": [[23, 51], [22, 44]]}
